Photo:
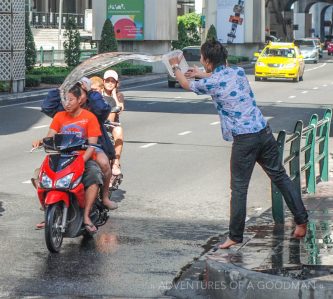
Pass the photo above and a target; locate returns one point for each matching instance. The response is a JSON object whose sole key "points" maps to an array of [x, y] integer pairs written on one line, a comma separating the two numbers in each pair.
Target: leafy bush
{"points": [[32, 80], [72, 44], [134, 70], [54, 79], [4, 86], [30, 47], [50, 70], [211, 34], [108, 41], [183, 40]]}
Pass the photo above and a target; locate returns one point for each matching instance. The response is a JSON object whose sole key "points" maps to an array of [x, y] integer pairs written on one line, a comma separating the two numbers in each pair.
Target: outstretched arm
{"points": [[174, 62]]}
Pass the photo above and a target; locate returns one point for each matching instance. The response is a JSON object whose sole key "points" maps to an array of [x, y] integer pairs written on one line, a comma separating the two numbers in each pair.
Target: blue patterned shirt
{"points": [[233, 99]]}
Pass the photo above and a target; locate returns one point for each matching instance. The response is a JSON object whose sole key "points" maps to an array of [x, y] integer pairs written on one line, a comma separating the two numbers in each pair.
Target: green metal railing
{"points": [[316, 133]]}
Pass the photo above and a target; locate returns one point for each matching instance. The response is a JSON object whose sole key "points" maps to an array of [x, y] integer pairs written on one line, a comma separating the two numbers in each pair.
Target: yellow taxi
{"points": [[279, 60]]}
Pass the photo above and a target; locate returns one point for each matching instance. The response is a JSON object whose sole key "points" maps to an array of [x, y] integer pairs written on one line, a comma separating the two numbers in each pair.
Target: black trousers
{"points": [[247, 149]]}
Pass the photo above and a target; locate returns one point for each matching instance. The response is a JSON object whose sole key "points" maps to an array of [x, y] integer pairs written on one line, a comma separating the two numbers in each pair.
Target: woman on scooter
{"points": [[86, 126], [115, 98]]}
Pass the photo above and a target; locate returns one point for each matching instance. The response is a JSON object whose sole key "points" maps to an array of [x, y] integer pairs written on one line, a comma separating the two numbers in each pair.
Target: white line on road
{"points": [[39, 127], [291, 97], [215, 123], [315, 88], [318, 67], [30, 107], [184, 133], [26, 182], [151, 103], [324, 85], [305, 91], [279, 101], [148, 145]]}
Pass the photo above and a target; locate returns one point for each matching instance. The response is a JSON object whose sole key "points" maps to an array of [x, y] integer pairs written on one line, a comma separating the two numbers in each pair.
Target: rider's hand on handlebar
{"points": [[37, 143]]}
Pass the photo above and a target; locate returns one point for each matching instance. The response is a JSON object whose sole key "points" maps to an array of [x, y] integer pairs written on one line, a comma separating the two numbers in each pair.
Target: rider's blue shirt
{"points": [[233, 99]]}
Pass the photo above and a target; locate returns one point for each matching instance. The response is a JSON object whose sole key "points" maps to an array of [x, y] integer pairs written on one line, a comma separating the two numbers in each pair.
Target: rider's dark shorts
{"points": [[92, 174]]}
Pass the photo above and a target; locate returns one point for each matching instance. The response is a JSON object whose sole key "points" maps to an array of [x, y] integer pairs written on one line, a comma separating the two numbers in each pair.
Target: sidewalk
{"points": [[9, 98], [270, 263]]}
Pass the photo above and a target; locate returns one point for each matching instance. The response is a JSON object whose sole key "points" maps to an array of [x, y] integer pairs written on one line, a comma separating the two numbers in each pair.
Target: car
{"points": [[280, 60], [328, 39], [313, 42], [330, 48], [192, 55], [309, 49]]}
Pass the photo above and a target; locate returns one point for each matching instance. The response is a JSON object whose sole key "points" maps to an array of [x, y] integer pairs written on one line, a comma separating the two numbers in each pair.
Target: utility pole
{"points": [[60, 23]]}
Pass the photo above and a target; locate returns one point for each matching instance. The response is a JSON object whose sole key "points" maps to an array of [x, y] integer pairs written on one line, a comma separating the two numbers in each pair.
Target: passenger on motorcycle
{"points": [[115, 98], [94, 102], [75, 120]]}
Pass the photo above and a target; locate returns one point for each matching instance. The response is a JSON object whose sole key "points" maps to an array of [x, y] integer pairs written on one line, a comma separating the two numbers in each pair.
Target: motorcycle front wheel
{"points": [[53, 220]]}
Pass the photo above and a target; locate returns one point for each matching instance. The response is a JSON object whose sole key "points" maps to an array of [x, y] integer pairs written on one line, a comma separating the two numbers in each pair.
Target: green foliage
{"points": [[50, 70], [72, 44], [237, 59], [192, 23], [183, 40], [30, 47], [4, 86], [32, 80], [54, 79], [108, 41], [211, 34]]}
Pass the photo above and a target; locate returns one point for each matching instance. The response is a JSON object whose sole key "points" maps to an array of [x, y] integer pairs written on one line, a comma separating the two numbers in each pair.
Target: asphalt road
{"points": [[174, 197]]}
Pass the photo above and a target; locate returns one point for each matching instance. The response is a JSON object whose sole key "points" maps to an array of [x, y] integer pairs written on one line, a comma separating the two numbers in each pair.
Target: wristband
{"points": [[175, 67]]}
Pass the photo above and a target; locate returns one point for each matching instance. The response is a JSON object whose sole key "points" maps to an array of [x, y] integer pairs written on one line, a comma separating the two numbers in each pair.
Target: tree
{"points": [[72, 44], [183, 40], [108, 38], [30, 47], [211, 34], [192, 23]]}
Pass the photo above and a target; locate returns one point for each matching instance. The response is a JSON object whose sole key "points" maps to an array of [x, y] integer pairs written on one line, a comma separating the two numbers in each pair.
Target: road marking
{"points": [[148, 145], [184, 133], [178, 97], [325, 85], [315, 88], [291, 97], [26, 182], [151, 103], [305, 91], [39, 127], [30, 107], [215, 123], [279, 101], [318, 67]]}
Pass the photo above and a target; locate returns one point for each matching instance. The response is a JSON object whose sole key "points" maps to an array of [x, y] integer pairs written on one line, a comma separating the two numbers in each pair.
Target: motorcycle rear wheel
{"points": [[53, 220]]}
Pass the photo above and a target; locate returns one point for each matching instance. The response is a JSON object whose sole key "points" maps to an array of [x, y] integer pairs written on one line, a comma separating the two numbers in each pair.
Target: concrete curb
{"points": [[226, 280], [28, 95]]}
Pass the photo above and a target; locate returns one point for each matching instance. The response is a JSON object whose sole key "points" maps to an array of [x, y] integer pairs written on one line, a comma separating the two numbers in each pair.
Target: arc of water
{"points": [[100, 62]]}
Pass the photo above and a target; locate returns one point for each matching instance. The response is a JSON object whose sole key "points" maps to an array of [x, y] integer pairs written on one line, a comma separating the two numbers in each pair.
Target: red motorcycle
{"points": [[61, 191]]}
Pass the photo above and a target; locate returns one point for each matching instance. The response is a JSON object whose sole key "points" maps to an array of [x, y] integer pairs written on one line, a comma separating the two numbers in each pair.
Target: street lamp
{"points": [[60, 21]]}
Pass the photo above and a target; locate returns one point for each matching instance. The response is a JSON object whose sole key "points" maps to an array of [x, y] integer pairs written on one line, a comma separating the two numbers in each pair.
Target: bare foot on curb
{"points": [[227, 244], [300, 230]]}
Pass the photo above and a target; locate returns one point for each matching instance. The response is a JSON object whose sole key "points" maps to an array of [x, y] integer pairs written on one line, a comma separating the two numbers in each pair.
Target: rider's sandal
{"points": [[90, 228]]}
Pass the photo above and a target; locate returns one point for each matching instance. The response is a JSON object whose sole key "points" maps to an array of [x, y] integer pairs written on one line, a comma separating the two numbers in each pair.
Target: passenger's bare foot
{"points": [[111, 205], [300, 230], [227, 244]]}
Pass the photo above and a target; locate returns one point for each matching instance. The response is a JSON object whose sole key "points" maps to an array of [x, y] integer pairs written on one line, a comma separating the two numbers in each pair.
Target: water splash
{"points": [[100, 62]]}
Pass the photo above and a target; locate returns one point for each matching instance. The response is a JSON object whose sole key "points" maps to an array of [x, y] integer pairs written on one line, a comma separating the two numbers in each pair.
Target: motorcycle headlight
{"points": [[290, 65], [259, 63], [65, 181], [45, 182], [77, 182]]}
